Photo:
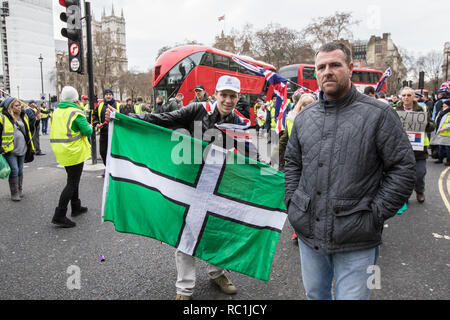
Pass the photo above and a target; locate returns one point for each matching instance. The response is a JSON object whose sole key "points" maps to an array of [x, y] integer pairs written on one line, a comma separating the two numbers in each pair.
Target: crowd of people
{"points": [[349, 165]]}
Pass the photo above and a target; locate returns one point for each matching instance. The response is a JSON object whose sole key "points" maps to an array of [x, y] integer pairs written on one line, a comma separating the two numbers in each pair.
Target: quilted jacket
{"points": [[349, 167]]}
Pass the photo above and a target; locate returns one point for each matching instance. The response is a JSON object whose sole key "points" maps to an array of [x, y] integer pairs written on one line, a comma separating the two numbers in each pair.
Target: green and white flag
{"points": [[219, 210]]}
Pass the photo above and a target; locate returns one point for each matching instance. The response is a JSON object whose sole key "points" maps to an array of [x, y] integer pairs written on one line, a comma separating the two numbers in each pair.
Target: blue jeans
{"points": [[350, 269], [16, 165], [44, 125]]}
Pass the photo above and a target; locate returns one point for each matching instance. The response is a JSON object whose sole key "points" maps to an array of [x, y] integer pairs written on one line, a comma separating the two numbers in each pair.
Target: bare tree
{"points": [[431, 64], [281, 46], [326, 29]]}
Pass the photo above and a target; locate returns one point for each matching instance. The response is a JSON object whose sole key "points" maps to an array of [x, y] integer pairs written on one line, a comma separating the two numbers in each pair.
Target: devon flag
{"points": [[206, 201]]}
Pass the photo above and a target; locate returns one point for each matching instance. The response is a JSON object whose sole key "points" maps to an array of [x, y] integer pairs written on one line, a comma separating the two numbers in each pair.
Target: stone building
{"points": [[380, 53], [446, 61]]}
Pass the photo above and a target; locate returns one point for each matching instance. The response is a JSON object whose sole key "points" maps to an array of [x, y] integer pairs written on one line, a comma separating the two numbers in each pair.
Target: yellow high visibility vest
{"points": [[100, 108], [289, 125], [445, 124], [8, 133], [102, 104], [138, 108], [70, 148], [44, 115], [273, 121]]}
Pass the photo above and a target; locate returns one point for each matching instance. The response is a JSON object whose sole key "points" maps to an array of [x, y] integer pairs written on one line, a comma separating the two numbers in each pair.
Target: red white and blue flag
{"points": [[383, 79], [221, 18], [277, 86], [238, 131], [445, 86]]}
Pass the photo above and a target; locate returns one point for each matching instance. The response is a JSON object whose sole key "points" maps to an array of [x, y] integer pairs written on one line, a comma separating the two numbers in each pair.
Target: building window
{"points": [[378, 48]]}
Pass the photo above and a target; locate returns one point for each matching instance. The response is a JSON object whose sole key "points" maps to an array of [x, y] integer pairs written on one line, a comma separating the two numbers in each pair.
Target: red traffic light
{"points": [[68, 3]]}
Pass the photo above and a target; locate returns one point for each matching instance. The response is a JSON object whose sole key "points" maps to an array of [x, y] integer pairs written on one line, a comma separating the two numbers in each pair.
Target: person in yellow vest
{"points": [[408, 103], [260, 113], [99, 119], [45, 115], [139, 106], [68, 138], [271, 121], [443, 133], [16, 143]]}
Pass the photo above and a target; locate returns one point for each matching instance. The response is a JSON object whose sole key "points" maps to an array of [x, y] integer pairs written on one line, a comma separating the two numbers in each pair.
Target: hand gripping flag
{"points": [[277, 85], [216, 209], [383, 79]]}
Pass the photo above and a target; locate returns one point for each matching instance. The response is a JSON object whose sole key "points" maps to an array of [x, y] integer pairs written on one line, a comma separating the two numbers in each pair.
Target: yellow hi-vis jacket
{"points": [[70, 148], [8, 133]]}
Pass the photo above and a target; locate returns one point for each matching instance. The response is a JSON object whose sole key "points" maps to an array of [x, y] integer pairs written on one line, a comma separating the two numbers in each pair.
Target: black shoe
{"points": [[439, 161], [447, 163], [40, 154], [63, 222], [77, 209], [81, 210]]}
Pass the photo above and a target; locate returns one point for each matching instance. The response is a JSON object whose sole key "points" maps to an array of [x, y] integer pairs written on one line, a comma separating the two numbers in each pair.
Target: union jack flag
{"points": [[221, 18], [238, 131], [277, 86], [299, 91], [445, 86], [383, 78]]}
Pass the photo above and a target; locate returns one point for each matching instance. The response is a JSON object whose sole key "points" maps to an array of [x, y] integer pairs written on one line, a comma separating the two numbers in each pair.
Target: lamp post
{"points": [[42, 76], [446, 68]]}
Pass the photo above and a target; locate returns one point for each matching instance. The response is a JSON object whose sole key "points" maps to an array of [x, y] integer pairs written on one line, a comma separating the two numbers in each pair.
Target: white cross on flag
{"points": [[223, 210]]}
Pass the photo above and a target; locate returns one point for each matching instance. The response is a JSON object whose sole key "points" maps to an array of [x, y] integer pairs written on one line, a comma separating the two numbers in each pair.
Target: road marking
{"points": [[441, 188], [438, 236]]}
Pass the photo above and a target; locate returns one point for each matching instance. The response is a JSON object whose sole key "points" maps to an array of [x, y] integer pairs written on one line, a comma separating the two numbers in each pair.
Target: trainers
{"points": [[225, 285], [63, 222], [183, 297]]}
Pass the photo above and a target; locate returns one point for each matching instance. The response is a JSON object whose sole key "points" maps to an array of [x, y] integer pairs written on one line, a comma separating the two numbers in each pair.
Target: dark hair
{"points": [[369, 89], [332, 46]]}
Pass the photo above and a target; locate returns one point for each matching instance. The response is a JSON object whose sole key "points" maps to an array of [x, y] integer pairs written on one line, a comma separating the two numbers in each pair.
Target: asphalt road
{"points": [[35, 256]]}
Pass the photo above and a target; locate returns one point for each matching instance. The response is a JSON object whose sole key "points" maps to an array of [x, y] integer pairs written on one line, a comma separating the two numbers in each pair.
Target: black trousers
{"points": [[70, 192], [103, 147]]}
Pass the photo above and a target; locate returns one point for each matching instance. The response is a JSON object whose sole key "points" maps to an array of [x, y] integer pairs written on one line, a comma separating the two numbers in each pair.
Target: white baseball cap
{"points": [[228, 83]]}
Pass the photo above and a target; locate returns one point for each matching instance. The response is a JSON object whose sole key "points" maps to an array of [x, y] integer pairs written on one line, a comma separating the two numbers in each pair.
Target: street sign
{"points": [[74, 49], [74, 65]]}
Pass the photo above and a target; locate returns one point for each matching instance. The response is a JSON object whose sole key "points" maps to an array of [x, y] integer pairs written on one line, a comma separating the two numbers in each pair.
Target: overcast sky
{"points": [[418, 26]]}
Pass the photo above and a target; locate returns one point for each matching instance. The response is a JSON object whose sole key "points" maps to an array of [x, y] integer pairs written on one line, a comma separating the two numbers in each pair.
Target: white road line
{"points": [[441, 188]]}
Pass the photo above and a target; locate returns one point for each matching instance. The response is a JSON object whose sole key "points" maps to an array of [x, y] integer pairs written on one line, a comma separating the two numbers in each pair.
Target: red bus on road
{"points": [[304, 75], [181, 69]]}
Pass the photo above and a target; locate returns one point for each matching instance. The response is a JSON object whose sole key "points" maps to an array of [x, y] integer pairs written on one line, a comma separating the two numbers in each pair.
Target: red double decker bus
{"points": [[304, 75], [181, 69]]}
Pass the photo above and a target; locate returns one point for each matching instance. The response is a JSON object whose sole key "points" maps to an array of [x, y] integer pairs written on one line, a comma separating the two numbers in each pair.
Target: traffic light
{"points": [[74, 34], [421, 80]]}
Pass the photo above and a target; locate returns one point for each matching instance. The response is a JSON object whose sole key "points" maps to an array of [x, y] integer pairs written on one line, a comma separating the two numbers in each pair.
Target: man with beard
{"points": [[349, 167], [99, 118]]}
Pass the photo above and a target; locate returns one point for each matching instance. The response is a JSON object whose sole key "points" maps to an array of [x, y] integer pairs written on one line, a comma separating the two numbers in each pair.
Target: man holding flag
{"points": [[221, 115]]}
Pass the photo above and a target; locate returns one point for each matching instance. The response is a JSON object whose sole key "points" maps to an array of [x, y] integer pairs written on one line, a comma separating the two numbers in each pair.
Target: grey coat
{"points": [[349, 167]]}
